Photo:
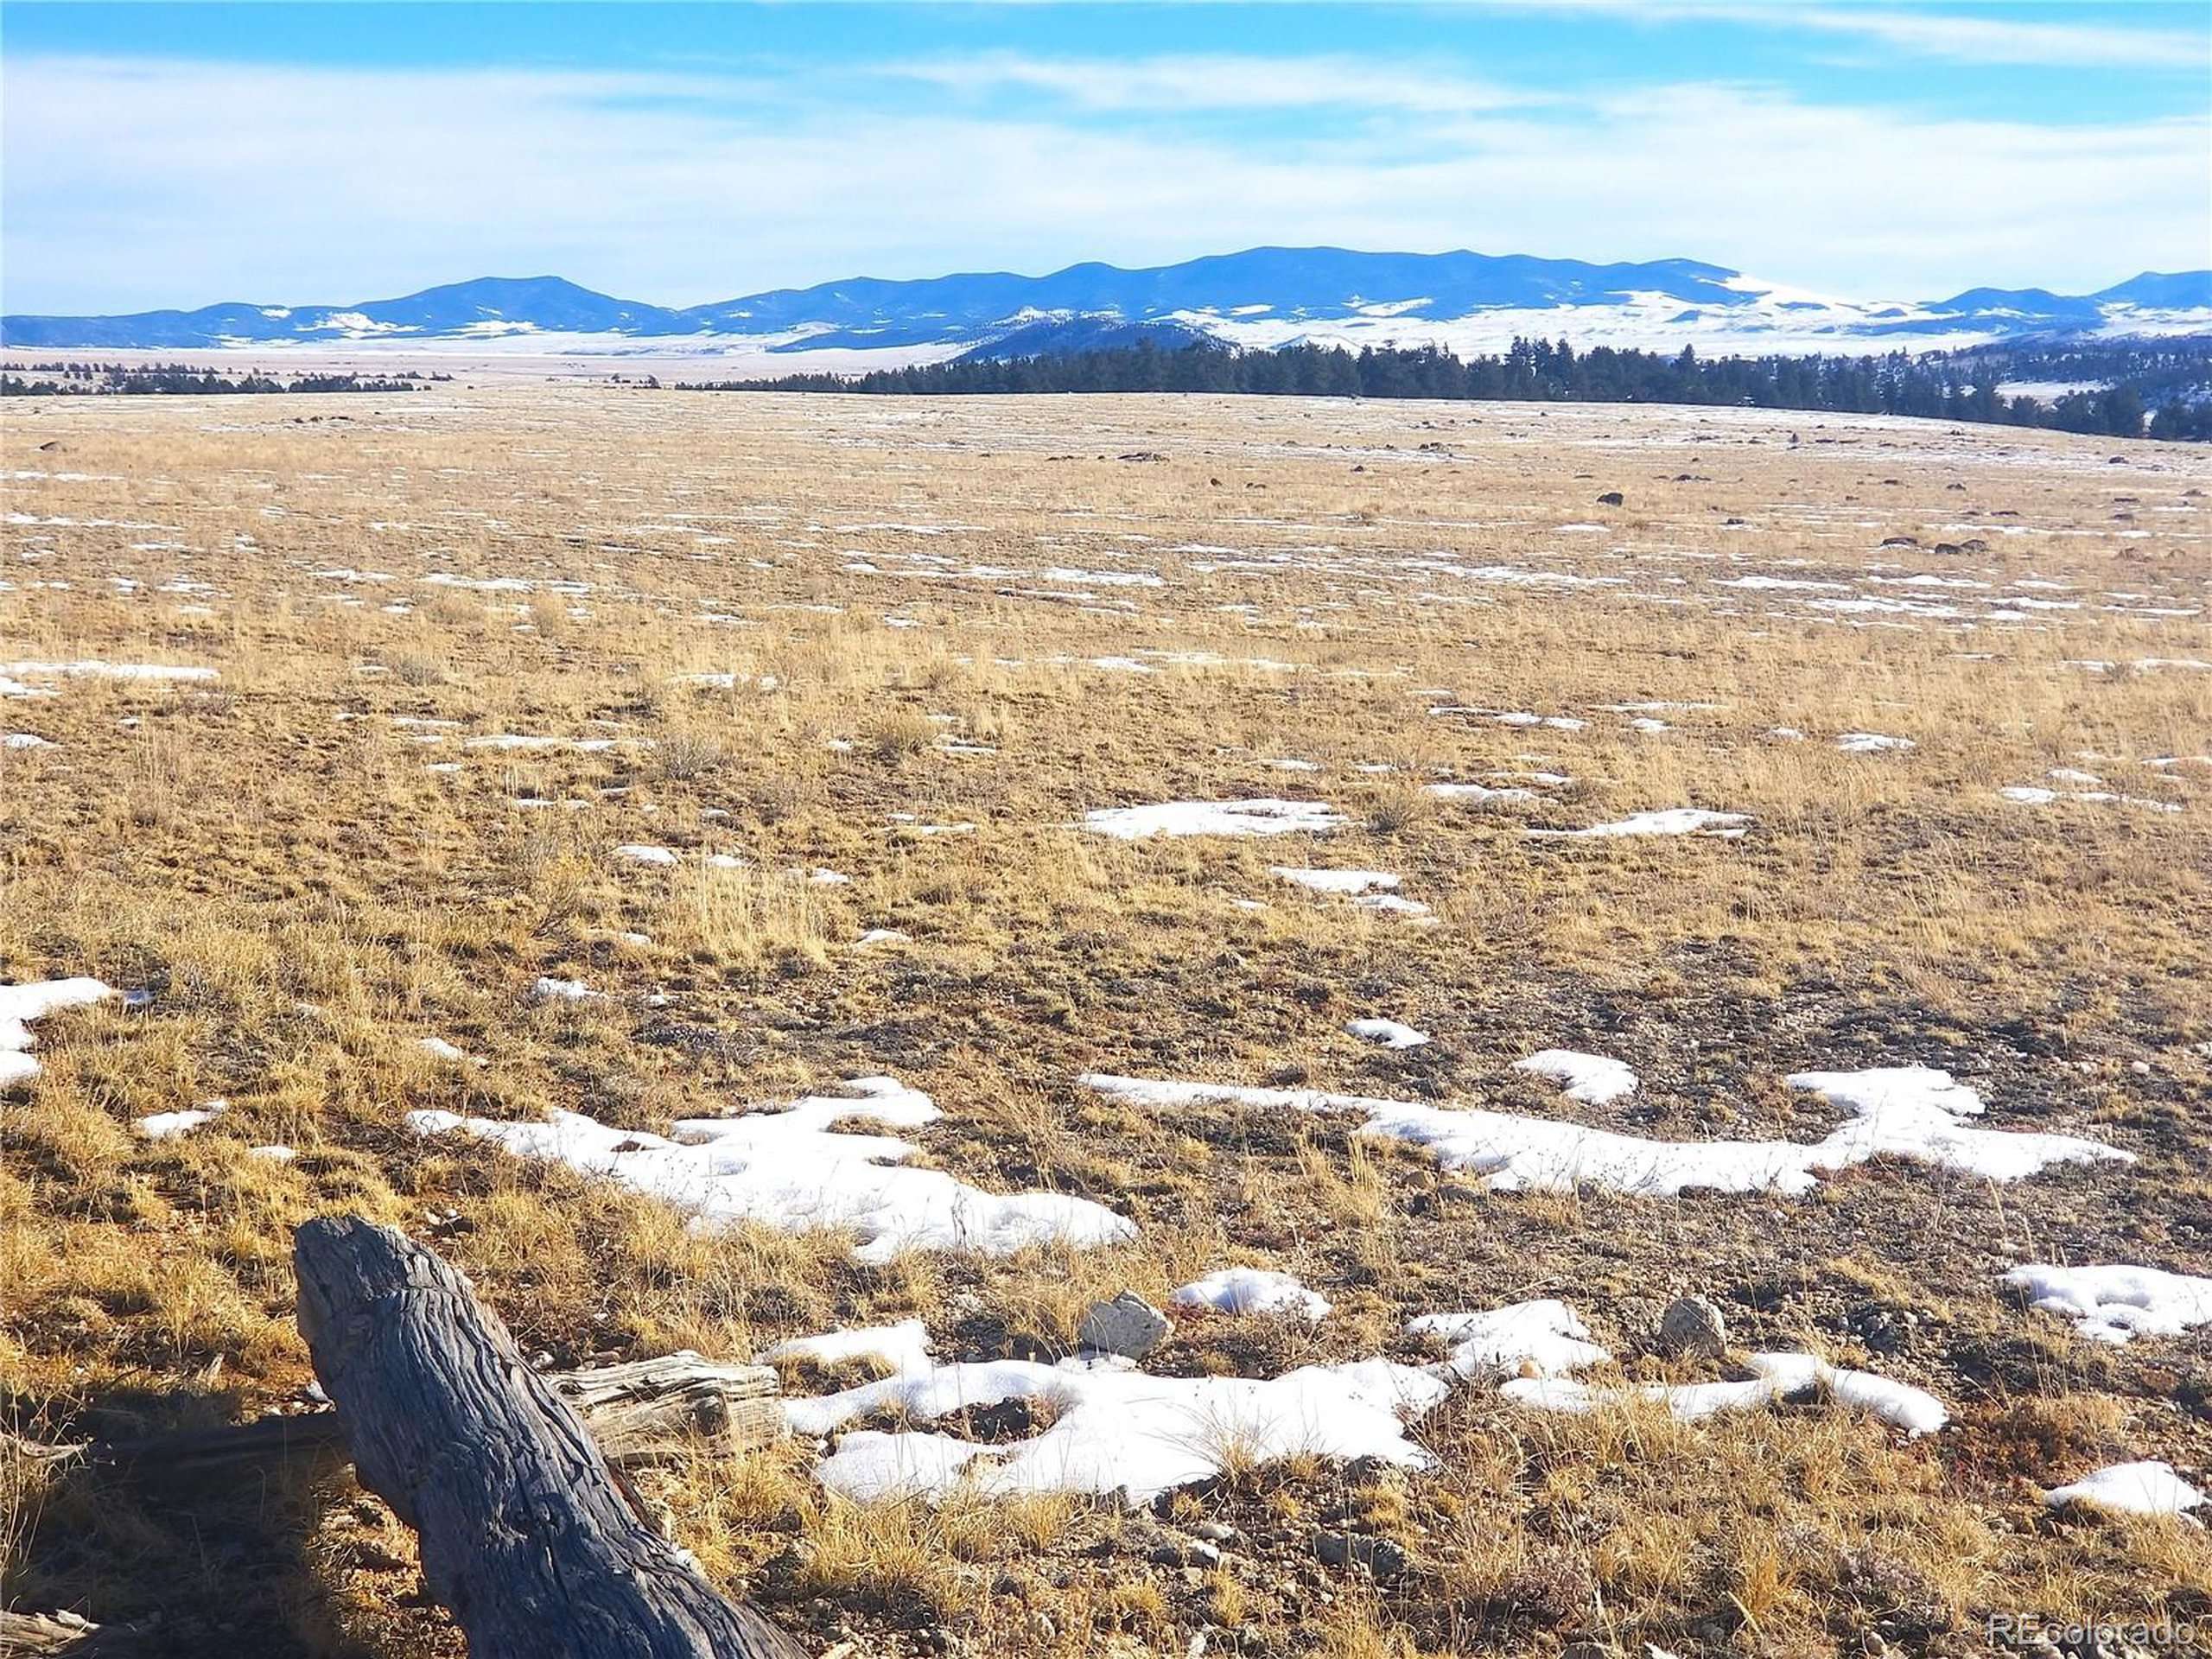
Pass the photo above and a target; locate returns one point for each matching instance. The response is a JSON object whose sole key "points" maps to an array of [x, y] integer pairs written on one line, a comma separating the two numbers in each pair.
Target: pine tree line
{"points": [[1535, 371], [63, 379]]}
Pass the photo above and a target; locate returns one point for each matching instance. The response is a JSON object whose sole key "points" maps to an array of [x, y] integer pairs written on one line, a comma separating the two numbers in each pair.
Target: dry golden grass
{"points": [[310, 866]]}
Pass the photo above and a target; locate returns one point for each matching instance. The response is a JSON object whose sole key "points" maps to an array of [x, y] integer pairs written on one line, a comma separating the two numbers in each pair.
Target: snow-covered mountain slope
{"points": [[1261, 297]]}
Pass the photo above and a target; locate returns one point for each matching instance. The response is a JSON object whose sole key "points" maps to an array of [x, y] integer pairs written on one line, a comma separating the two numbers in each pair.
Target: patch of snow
{"points": [[1117, 1431], [1780, 1376], [1592, 1079], [1251, 1290], [168, 1126], [1541, 1339], [2147, 1488], [905, 1346], [1370, 889], [1910, 1112], [637, 853], [793, 1169], [1476, 792], [1667, 821], [90, 668], [21, 1004], [1871, 743], [2111, 1303], [1246, 818], [1389, 1032], [547, 990]]}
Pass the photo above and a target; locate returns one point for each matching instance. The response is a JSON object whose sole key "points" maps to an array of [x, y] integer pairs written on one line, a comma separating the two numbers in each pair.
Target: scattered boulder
{"points": [[1168, 1551], [1948, 548], [1143, 455], [1127, 1325], [1900, 541], [1612, 499], [1692, 1328], [1380, 1556]]}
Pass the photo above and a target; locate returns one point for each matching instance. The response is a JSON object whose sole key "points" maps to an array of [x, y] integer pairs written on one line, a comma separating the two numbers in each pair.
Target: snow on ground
{"points": [[793, 1169], [1369, 889], [23, 740], [1541, 1338], [1592, 1079], [1669, 821], [16, 678], [21, 1004], [518, 741], [547, 990], [1871, 743], [905, 1346], [1115, 1430], [1261, 816], [1910, 1112], [1476, 792], [2043, 795], [1251, 1290], [1389, 1032], [168, 1125], [2111, 1303], [1779, 1375], [2146, 1488]]}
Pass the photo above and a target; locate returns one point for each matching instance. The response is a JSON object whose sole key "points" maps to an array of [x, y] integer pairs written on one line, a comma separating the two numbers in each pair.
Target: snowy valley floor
{"points": [[855, 882]]}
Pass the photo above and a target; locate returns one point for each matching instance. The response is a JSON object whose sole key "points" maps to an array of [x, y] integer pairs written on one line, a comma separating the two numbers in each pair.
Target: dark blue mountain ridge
{"points": [[2177, 290], [1270, 284]]}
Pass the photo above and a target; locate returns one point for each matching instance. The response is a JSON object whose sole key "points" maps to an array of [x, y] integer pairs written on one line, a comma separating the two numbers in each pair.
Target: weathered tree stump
{"points": [[526, 1537]]}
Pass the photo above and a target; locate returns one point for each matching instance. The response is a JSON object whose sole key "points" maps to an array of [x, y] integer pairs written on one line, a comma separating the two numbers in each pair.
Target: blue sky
{"points": [[159, 155]]}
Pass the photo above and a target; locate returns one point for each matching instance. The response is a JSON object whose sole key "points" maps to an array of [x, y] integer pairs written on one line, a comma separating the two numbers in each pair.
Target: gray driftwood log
{"points": [[526, 1535], [65, 1636], [640, 1412]]}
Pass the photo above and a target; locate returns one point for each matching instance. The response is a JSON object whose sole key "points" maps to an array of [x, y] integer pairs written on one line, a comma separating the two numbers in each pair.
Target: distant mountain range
{"points": [[1261, 297]]}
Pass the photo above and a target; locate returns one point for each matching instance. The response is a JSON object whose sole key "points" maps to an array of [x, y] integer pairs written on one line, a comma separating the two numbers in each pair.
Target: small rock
{"points": [[1128, 1325], [1882, 1330], [1692, 1328], [1215, 1532], [1612, 499], [374, 1557], [1384, 1559]]}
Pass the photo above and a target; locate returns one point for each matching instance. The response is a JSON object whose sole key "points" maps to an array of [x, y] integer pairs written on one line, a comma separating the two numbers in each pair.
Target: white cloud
{"points": [[1952, 36], [1213, 81], [2004, 40], [327, 186]]}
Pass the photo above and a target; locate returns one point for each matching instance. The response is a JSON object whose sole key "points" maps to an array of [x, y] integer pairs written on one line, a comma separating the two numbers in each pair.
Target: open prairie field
{"points": [[488, 812]]}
